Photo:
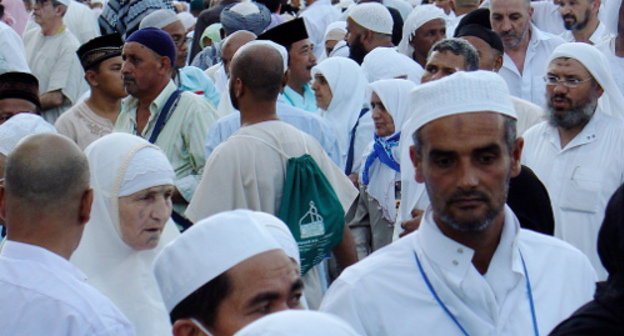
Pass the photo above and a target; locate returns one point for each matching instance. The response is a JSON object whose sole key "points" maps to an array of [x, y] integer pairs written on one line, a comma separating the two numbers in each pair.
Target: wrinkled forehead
{"points": [[567, 66], [508, 7]]}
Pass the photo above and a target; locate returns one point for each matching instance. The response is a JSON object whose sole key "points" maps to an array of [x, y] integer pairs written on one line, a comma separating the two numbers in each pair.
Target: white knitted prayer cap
{"points": [[20, 126], [206, 250], [372, 16], [300, 323], [461, 92], [159, 18]]}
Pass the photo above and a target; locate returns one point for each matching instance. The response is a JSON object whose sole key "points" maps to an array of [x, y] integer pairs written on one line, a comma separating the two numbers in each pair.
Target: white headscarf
{"points": [[20, 126], [348, 86], [387, 63], [611, 102], [395, 96], [418, 17], [299, 323], [121, 273], [340, 26]]}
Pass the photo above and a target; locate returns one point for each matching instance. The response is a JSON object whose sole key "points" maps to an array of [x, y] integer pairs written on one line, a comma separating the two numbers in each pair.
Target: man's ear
{"points": [[185, 327], [2, 203], [84, 212], [516, 155], [417, 162], [91, 78]]}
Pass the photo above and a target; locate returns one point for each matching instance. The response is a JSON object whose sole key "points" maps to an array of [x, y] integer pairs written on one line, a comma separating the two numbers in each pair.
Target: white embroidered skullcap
{"points": [[281, 233], [283, 52], [461, 92], [208, 249], [20, 126], [299, 323], [149, 167], [159, 18], [372, 16]]}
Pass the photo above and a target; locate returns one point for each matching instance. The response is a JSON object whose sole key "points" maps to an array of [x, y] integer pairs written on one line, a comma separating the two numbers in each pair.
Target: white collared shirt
{"points": [[580, 178], [529, 85], [385, 294], [599, 35], [43, 294]]}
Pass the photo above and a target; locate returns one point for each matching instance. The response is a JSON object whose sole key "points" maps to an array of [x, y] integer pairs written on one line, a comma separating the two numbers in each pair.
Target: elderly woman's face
{"points": [[143, 215]]}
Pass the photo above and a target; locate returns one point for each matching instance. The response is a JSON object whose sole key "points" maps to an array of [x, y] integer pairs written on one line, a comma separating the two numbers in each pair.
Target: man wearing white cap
{"points": [[575, 152], [425, 26], [526, 48], [369, 25], [225, 272], [469, 269], [51, 55], [186, 77]]}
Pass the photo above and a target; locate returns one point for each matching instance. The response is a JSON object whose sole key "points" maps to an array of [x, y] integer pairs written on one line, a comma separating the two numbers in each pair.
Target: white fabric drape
{"points": [[348, 87], [395, 96], [418, 17], [117, 270], [387, 63]]}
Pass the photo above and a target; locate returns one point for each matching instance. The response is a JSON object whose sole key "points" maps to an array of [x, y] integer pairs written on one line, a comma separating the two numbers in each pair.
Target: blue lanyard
{"points": [[448, 312]]}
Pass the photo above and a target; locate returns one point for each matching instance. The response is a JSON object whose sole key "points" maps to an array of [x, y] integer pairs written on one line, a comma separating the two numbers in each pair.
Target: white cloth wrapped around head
{"points": [[122, 164], [387, 63], [611, 102], [299, 323], [418, 17]]}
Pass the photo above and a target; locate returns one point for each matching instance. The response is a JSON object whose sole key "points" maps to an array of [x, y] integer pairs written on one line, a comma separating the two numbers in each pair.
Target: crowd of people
{"points": [[315, 167]]}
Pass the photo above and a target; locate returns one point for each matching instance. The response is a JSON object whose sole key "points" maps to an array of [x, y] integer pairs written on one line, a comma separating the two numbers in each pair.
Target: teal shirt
{"points": [[307, 102]]}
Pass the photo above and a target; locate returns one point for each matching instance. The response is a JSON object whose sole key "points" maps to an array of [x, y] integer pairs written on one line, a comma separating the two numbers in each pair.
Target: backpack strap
{"points": [[164, 113], [350, 154]]}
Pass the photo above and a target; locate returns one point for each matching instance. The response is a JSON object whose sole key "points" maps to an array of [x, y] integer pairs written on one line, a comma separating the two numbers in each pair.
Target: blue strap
{"points": [[382, 150], [349, 165], [448, 312], [164, 113]]}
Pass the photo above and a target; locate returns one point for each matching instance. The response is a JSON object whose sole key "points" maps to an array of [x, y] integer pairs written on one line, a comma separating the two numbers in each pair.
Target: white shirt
{"points": [[580, 178], [81, 21], [385, 294], [599, 35], [529, 84], [43, 294], [317, 17], [616, 63], [12, 52], [307, 122]]}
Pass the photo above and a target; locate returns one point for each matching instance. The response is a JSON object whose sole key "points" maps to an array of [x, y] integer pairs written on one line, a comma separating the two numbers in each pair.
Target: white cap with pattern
{"points": [[372, 16]]}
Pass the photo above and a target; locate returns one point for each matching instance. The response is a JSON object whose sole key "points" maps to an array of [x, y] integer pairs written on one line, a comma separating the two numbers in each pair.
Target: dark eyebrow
{"points": [[297, 285], [491, 148], [263, 297], [440, 152]]}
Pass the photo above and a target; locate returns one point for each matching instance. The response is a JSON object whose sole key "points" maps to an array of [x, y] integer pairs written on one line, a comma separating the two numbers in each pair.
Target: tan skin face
{"points": [[576, 13], [563, 98], [466, 166], [301, 59], [427, 35], [44, 12], [178, 34], [329, 46], [322, 91], [511, 20], [263, 284], [143, 215], [108, 77], [442, 64], [384, 124], [445, 5], [489, 59], [12, 106], [141, 68]]}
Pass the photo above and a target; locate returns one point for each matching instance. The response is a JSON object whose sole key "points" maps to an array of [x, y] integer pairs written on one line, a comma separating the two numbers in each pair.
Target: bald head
{"points": [[46, 171], [232, 43], [260, 68]]}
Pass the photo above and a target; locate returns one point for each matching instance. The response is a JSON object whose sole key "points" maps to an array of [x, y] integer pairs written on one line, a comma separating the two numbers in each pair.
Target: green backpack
{"points": [[311, 210]]}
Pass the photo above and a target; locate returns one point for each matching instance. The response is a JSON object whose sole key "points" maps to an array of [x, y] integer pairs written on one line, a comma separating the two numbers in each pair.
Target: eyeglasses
{"points": [[570, 82], [181, 41]]}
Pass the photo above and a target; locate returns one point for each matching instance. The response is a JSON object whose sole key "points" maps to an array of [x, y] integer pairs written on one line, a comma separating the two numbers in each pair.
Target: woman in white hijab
{"points": [[340, 87], [373, 219], [130, 223]]}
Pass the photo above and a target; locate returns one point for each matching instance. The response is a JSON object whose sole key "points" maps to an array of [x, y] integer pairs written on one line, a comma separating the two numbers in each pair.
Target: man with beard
{"points": [[526, 48], [576, 152], [580, 19], [469, 269], [148, 57], [369, 25]]}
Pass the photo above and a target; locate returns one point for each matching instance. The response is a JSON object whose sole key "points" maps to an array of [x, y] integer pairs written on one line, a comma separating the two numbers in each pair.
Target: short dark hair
{"points": [[203, 304], [459, 47], [509, 137]]}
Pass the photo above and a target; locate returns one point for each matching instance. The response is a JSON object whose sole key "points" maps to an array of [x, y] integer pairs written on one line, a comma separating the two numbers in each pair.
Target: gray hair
{"points": [[459, 47]]}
